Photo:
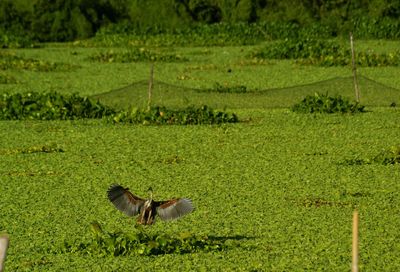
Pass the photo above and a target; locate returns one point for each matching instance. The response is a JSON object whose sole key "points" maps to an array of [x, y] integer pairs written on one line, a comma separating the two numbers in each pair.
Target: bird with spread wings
{"points": [[147, 209]]}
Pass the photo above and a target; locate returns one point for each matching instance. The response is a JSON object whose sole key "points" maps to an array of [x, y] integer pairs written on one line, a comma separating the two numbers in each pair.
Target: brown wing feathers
{"points": [[124, 200], [132, 205], [174, 208]]}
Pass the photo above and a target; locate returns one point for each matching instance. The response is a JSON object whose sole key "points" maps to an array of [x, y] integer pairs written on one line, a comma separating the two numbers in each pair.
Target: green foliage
{"points": [[135, 55], [363, 59], [141, 242], [299, 49], [61, 20], [49, 106], [221, 34], [246, 11], [386, 157], [14, 25], [389, 156], [200, 35], [7, 79], [202, 11], [324, 53], [12, 61], [376, 27], [54, 106], [156, 13], [323, 103], [13, 40], [163, 116], [68, 20]]}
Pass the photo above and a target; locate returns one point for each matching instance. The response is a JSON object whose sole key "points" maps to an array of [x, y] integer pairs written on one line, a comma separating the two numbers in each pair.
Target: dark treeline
{"points": [[65, 20]]}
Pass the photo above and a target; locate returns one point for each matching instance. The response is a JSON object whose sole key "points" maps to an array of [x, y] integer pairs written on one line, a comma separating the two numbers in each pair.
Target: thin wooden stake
{"points": [[3, 250], [150, 86], [354, 265], [354, 69]]}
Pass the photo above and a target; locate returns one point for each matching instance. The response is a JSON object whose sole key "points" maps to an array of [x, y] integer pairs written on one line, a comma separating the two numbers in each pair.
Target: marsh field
{"points": [[273, 192]]}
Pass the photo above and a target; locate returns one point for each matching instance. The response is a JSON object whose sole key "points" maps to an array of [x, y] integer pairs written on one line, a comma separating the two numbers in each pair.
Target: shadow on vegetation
{"points": [[316, 202], [51, 148], [142, 242], [388, 156]]}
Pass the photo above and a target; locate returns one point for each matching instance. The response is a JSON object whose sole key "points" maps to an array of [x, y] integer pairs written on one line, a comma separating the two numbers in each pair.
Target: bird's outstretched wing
{"points": [[174, 208], [124, 200]]}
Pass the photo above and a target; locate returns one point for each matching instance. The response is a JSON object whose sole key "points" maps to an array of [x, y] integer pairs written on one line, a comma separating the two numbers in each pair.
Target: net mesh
{"points": [[163, 94]]}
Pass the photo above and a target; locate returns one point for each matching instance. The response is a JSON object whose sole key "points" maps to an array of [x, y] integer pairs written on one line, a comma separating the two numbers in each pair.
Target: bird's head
{"points": [[150, 190]]}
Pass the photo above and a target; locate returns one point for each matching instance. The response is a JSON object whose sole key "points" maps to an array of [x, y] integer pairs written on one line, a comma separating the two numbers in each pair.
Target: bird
{"points": [[147, 209]]}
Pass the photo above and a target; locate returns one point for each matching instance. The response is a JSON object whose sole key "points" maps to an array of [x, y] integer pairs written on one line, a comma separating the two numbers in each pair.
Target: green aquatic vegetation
{"points": [[165, 116], [55, 106], [324, 53], [11, 61], [49, 106], [48, 148], [141, 242], [388, 156], [12, 40], [277, 178], [323, 103], [135, 55], [7, 79]]}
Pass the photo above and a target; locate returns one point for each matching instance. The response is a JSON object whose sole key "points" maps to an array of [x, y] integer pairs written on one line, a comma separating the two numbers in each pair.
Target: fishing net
{"points": [[163, 94]]}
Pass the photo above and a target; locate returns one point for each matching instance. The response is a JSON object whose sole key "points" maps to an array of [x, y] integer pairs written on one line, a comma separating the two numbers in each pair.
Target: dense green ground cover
{"points": [[278, 188], [260, 181]]}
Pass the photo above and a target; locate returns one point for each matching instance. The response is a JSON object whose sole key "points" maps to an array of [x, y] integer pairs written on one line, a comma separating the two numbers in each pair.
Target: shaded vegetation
{"points": [[7, 79], [8, 39], [387, 156], [61, 20], [142, 242], [48, 148], [187, 116], [316, 202]]}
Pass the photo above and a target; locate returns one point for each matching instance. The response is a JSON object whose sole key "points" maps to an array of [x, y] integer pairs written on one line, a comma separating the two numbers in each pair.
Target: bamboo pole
{"points": [[354, 265], [354, 69], [150, 86], [3, 250]]}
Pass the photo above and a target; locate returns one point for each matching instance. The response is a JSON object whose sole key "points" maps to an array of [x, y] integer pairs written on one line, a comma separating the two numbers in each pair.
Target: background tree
{"points": [[64, 20]]}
